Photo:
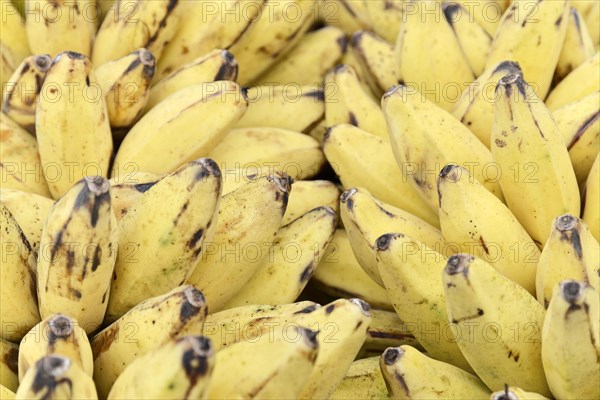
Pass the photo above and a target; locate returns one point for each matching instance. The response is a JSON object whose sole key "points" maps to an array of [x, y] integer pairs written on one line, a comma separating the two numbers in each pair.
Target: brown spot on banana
{"points": [[105, 339], [48, 375], [195, 360], [568, 226]]}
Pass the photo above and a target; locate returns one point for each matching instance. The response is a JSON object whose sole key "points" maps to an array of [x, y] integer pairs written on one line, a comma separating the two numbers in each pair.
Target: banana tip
{"points": [[98, 185], [458, 263], [566, 222], [571, 291], [61, 326], [392, 354]]}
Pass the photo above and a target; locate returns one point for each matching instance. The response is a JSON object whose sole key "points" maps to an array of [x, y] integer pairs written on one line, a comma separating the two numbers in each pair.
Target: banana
{"points": [[591, 200], [180, 209], [578, 84], [537, 177], [22, 90], [363, 381], [365, 78], [144, 328], [309, 60], [17, 274], [57, 334], [497, 324], [409, 374], [376, 56], [410, 271], [270, 36], [297, 249], [347, 103], [125, 85], [579, 125], [475, 108], [578, 46], [20, 168], [478, 223], [387, 330], [217, 65], [428, 55], [340, 275], [366, 218], [123, 195], [179, 369], [570, 342], [14, 36], [361, 159], [347, 15], [8, 65], [273, 366], [487, 13], [307, 195], [293, 107], [71, 124], [270, 149], [517, 36], [515, 393], [472, 37], [56, 377], [9, 365], [571, 252], [199, 116], [6, 393], [421, 144], [246, 224], [120, 32], [386, 18]]}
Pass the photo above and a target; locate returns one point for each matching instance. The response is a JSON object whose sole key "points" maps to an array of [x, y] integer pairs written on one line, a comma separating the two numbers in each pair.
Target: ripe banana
{"points": [[387, 330], [409, 374], [144, 328], [307, 195], [361, 159], [363, 380], [497, 324], [124, 194], [179, 369], [22, 90], [57, 334], [582, 81], [578, 46], [178, 213], [9, 365], [571, 341], [376, 56], [17, 274], [14, 35], [515, 393], [591, 199], [199, 116], [537, 177]]}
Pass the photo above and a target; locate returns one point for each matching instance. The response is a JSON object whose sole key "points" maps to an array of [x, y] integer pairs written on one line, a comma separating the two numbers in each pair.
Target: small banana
{"points": [[578, 46], [582, 81], [591, 198], [124, 194], [363, 381], [307, 195], [387, 330], [9, 365], [376, 56], [14, 35], [515, 393], [22, 90]]}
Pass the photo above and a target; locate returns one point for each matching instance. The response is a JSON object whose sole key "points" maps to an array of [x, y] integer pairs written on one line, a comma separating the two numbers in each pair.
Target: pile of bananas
{"points": [[344, 199]]}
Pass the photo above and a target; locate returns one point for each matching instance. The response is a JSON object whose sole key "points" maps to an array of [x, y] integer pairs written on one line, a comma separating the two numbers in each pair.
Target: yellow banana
{"points": [[515, 393], [488, 13], [582, 81], [9, 365], [14, 35], [591, 199], [307, 195], [376, 56], [363, 381], [578, 46]]}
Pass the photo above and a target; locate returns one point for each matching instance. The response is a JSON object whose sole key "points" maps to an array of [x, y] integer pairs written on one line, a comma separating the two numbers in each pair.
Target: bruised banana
{"points": [[578, 46], [376, 56], [9, 365], [29, 210], [363, 380], [591, 210], [582, 81]]}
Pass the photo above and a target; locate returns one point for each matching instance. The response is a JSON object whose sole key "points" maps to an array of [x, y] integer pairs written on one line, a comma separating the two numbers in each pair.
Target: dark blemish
{"points": [[87, 81], [343, 43], [131, 67], [195, 362], [46, 369], [162, 23], [515, 356], [185, 50], [229, 69], [307, 272], [402, 382], [327, 134], [329, 309], [143, 187], [358, 325], [387, 335], [308, 309], [583, 128], [195, 238], [482, 242], [25, 68], [96, 260], [193, 302], [352, 119], [318, 94], [500, 143], [104, 296], [76, 293], [70, 260], [451, 11], [74, 56], [559, 20], [103, 340], [11, 359], [383, 242], [474, 316]]}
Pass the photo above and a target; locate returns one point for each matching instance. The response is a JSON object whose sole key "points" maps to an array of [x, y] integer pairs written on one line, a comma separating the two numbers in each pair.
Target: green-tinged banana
{"points": [[6, 393], [124, 194], [307, 195], [591, 199], [387, 330], [475, 108], [363, 381], [410, 374], [411, 272], [120, 32], [347, 103], [515, 393], [386, 18], [58, 334], [198, 117], [376, 56], [536, 174], [9, 365], [592, 20], [518, 39], [472, 37], [29, 210], [294, 107], [22, 90], [270, 149], [17, 273], [20, 168], [14, 36], [366, 218], [361, 159], [273, 366], [77, 254], [179, 369], [582, 81], [178, 212], [271, 35], [421, 144], [245, 228], [497, 324], [71, 124], [56, 377], [488, 13], [347, 15], [477, 223], [309, 60], [340, 275], [297, 249], [8, 65], [579, 125], [578, 46], [218, 65], [125, 84], [571, 252], [144, 328], [571, 341], [429, 56]]}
